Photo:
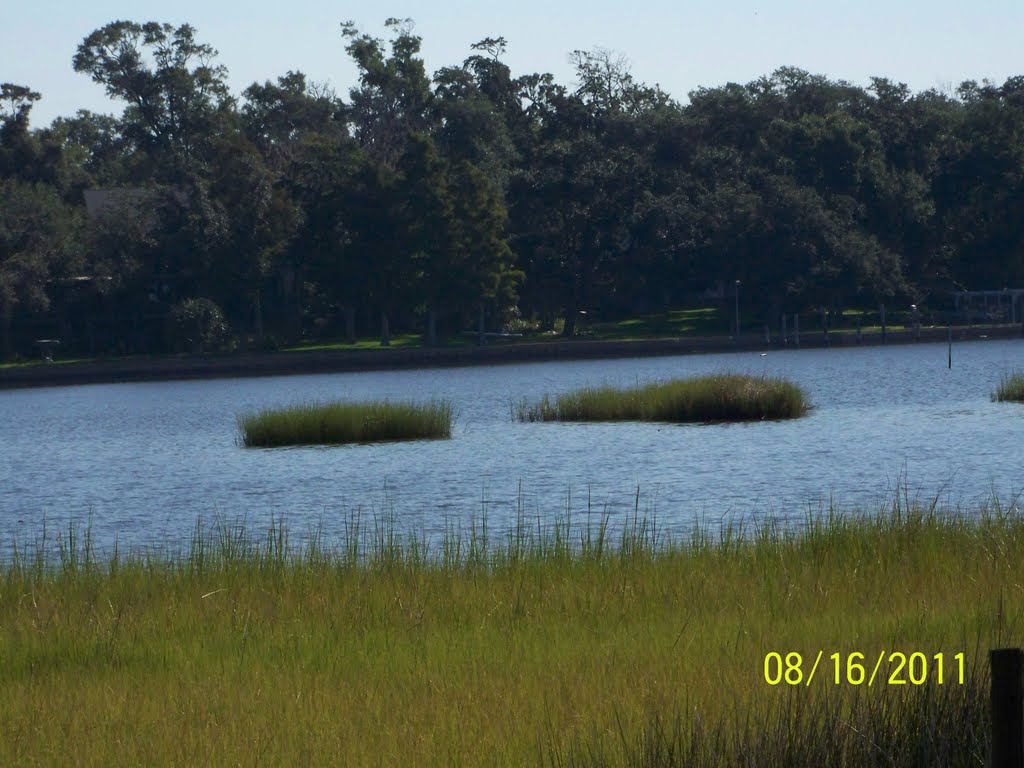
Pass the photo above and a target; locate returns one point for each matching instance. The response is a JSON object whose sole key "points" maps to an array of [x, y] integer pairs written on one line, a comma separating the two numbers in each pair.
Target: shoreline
{"points": [[242, 365]]}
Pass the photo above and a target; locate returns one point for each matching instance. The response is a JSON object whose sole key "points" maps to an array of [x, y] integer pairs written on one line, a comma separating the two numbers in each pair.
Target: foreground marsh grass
{"points": [[721, 397], [334, 423], [556, 648], [1010, 389]]}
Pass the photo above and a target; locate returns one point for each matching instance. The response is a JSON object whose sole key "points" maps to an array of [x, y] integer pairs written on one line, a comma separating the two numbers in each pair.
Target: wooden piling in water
{"points": [[1007, 707]]}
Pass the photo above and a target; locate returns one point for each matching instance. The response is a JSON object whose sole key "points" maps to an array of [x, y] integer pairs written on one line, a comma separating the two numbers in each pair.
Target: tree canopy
{"points": [[419, 202]]}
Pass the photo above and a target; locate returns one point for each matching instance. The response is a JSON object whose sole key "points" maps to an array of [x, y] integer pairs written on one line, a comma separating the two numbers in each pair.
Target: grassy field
{"points": [[550, 648], [668, 324], [25, 363], [719, 397], [701, 321], [1010, 389], [341, 422], [397, 341]]}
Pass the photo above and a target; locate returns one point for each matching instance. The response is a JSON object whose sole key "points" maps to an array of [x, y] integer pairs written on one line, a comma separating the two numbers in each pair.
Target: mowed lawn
{"points": [[518, 650]]}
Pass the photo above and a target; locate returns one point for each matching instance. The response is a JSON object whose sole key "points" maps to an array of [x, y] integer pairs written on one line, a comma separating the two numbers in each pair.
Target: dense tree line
{"points": [[426, 202]]}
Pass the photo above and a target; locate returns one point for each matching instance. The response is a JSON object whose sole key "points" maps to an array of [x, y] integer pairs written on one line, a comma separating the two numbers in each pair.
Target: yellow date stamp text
{"points": [[856, 668]]}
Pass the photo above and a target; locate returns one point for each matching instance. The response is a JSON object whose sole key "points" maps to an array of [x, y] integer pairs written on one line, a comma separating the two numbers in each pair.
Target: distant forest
{"points": [[421, 203]]}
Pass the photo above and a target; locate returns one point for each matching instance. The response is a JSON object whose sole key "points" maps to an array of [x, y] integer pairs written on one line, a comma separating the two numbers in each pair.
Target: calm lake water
{"points": [[141, 463]]}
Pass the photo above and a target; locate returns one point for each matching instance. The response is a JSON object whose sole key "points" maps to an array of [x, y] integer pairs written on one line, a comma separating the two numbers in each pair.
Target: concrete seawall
{"points": [[164, 368]]}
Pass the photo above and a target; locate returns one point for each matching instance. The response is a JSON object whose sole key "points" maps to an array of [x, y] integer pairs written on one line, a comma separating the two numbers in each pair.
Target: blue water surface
{"points": [[140, 464]]}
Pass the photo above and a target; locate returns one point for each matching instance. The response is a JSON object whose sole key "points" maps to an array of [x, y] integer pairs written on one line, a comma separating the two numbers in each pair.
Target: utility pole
{"points": [[737, 296]]}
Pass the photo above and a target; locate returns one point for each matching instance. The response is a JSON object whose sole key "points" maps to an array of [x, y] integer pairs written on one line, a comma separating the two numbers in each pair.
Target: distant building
{"points": [[101, 202]]}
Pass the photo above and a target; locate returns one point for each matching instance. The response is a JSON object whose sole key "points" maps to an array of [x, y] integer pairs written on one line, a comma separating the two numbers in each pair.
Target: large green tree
{"points": [[177, 96], [393, 99], [37, 240]]}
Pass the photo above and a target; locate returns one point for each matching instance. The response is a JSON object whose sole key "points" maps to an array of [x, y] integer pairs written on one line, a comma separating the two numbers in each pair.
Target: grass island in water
{"points": [[1010, 389], [341, 422], [720, 397]]}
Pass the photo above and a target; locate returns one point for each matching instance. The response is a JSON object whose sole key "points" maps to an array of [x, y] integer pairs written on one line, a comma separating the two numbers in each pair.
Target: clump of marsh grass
{"points": [[1010, 389], [577, 646], [922, 725], [721, 397], [340, 422]]}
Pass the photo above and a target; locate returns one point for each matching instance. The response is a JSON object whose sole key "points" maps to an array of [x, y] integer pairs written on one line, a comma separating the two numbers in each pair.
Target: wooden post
{"points": [[350, 325], [949, 338], [432, 328], [1007, 707]]}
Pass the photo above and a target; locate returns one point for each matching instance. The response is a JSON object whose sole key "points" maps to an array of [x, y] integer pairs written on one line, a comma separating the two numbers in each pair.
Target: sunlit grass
{"points": [[1010, 389], [721, 397], [397, 341], [699, 321], [343, 422], [56, 361], [527, 646]]}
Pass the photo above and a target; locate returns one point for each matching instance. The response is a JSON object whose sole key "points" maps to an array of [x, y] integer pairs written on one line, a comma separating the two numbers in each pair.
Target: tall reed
{"points": [[927, 725], [540, 644], [1010, 389], [720, 397], [344, 422]]}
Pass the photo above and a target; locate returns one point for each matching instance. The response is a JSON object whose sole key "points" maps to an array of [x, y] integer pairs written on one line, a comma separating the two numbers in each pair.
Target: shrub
{"points": [[198, 326]]}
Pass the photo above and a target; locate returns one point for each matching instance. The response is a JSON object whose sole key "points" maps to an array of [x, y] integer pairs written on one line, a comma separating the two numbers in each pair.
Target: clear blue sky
{"points": [[681, 45]]}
